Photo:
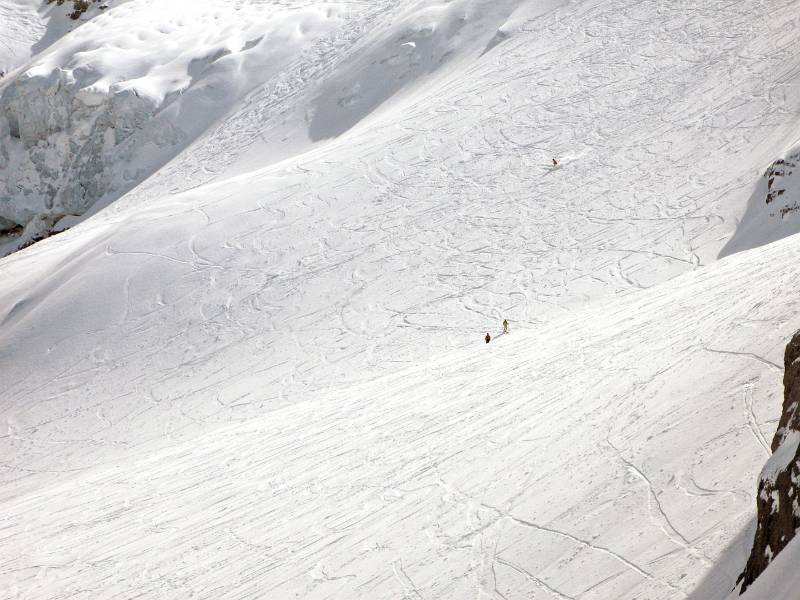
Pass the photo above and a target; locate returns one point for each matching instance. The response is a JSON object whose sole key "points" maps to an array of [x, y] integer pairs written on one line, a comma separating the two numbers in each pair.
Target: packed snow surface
{"points": [[261, 372]]}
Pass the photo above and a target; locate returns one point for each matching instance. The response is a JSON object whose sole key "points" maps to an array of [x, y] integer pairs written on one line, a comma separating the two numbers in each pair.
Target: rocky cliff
{"points": [[779, 482]]}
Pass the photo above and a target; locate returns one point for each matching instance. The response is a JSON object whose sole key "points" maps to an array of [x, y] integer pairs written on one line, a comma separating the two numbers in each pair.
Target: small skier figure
{"points": [[555, 163], [505, 325], [488, 338]]}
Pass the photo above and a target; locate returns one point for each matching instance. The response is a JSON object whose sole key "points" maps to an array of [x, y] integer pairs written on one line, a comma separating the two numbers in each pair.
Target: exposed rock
{"points": [[775, 175], [78, 7], [779, 482]]}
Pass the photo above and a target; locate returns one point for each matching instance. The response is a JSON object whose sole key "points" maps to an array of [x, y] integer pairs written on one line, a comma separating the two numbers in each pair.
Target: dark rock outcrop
{"points": [[78, 7], [776, 175], [779, 483]]}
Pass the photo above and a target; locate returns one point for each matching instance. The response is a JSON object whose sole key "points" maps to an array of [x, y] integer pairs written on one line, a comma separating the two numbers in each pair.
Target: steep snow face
{"points": [[105, 106], [422, 40]]}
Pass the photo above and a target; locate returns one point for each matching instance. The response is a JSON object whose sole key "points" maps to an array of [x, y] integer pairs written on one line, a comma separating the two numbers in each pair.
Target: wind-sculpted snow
{"points": [[261, 373], [106, 107]]}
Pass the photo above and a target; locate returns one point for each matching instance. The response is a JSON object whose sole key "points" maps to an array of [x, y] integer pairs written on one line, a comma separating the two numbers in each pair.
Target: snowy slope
{"points": [[261, 371], [607, 455]]}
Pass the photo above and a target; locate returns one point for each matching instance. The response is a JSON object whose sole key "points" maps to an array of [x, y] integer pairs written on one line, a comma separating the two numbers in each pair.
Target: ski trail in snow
{"points": [[653, 502], [760, 359], [533, 579], [410, 590], [752, 422], [585, 544]]}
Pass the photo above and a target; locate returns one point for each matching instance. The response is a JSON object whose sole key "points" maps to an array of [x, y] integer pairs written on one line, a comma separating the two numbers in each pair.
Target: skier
{"points": [[505, 325], [555, 163], [488, 338]]}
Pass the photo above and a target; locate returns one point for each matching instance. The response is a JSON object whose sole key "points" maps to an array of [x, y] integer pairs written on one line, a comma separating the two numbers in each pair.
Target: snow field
{"points": [[262, 372]]}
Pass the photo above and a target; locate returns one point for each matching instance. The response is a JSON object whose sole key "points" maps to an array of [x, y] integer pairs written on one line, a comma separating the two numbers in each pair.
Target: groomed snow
{"points": [[261, 373]]}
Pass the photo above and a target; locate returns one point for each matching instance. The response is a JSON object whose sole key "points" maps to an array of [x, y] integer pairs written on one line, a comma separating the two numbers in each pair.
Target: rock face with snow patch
{"points": [[773, 212], [779, 483]]}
